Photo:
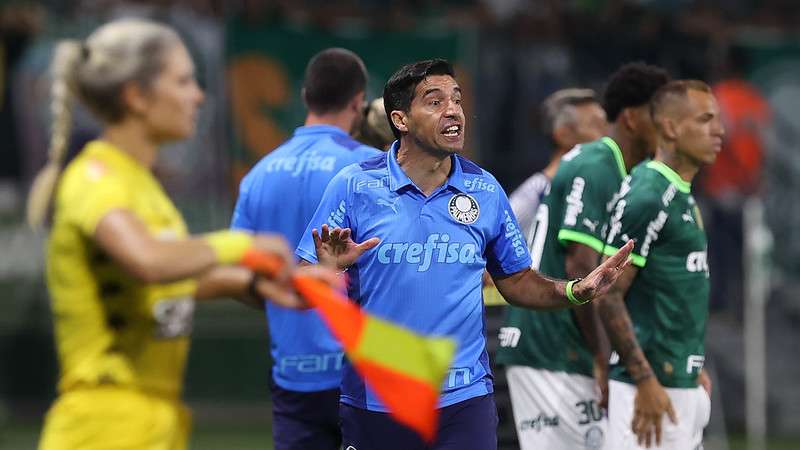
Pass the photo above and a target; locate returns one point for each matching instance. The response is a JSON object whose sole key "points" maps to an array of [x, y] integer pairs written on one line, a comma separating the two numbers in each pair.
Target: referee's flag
{"points": [[403, 368]]}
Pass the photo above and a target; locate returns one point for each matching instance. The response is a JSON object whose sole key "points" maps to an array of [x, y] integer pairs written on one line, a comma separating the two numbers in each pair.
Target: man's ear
{"points": [[399, 120], [628, 116], [357, 104], [669, 128], [561, 135]]}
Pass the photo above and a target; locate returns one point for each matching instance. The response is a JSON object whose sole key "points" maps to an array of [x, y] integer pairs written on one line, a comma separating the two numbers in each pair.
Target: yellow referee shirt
{"points": [[111, 329]]}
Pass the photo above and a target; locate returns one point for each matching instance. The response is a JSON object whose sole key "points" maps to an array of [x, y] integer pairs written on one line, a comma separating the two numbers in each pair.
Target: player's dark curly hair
{"points": [[632, 85], [399, 90]]}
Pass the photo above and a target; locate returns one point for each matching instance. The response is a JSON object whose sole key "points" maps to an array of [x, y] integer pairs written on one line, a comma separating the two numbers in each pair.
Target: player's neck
{"points": [[627, 146], [428, 170], [675, 160], [132, 139], [550, 170], [341, 119]]}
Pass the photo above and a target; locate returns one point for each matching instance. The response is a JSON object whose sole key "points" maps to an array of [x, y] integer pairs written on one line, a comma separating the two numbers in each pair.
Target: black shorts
{"points": [[467, 425], [305, 420]]}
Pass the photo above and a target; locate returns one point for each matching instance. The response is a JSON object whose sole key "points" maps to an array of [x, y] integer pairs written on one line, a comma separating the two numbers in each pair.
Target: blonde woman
{"points": [[122, 271]]}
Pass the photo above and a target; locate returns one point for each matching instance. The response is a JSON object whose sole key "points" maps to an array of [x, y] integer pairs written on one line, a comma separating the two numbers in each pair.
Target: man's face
{"points": [[590, 124], [436, 119], [699, 129]]}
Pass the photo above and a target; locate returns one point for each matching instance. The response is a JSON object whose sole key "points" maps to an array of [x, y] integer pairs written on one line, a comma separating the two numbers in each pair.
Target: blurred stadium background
{"points": [[510, 55]]}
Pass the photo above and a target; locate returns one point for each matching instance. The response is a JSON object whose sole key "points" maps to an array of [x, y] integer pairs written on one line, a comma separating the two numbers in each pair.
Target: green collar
{"points": [[671, 175], [617, 155]]}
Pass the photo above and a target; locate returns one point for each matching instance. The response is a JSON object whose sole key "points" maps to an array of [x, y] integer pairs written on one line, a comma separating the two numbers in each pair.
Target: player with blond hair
{"points": [[656, 312], [122, 270]]}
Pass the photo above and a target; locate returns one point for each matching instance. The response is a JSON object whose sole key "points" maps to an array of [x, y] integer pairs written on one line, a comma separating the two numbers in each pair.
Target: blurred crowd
{"points": [[526, 49], [521, 51]]}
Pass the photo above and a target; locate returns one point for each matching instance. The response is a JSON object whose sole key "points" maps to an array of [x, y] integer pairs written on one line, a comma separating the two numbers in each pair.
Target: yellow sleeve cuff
{"points": [[229, 246]]}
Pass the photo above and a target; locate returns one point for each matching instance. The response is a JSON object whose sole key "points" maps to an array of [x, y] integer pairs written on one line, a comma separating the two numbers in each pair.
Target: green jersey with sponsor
{"points": [[668, 300], [576, 209]]}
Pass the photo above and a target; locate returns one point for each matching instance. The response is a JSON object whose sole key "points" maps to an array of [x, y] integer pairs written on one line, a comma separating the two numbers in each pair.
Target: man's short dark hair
{"points": [[399, 90], [673, 90], [333, 77], [632, 85]]}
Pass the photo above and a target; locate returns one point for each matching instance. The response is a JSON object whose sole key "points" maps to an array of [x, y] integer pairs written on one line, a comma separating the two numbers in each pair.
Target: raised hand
{"points": [[603, 277], [649, 406], [335, 247]]}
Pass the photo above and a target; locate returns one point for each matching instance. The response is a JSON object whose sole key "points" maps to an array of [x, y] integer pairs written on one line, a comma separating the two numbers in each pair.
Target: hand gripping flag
{"points": [[403, 368]]}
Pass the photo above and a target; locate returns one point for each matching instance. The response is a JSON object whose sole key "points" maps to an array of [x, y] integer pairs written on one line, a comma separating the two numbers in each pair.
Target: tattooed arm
{"points": [[651, 401], [619, 327], [581, 259]]}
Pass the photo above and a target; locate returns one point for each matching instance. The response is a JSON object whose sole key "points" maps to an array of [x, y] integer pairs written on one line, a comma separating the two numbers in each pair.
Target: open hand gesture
{"points": [[336, 248], [603, 277]]}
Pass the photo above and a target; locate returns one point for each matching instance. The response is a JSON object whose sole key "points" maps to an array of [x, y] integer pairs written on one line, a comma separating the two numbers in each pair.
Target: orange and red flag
{"points": [[403, 368]]}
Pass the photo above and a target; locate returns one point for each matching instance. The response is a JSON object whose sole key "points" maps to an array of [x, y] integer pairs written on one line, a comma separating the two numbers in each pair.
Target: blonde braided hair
{"points": [[67, 57], [95, 72]]}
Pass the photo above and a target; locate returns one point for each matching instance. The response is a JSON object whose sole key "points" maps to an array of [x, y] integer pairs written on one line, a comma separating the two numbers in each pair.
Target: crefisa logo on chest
{"points": [[464, 209]]}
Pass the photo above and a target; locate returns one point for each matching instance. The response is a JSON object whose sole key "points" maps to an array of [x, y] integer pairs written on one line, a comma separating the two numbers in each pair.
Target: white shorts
{"points": [[691, 405], [555, 410]]}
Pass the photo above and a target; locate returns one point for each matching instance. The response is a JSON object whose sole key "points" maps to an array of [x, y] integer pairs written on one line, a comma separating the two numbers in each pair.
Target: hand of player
{"points": [[335, 248], [600, 373], [603, 276], [703, 379], [649, 406]]}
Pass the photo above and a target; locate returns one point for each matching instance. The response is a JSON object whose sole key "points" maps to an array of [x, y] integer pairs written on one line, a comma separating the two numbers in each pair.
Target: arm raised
{"points": [[529, 289]]}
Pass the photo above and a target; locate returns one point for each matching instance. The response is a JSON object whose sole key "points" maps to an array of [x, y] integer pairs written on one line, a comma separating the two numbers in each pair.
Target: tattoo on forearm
{"points": [[620, 330], [584, 318]]}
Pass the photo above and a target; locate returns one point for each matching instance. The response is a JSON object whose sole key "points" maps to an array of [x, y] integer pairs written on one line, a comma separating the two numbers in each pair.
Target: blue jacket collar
{"points": [[398, 178], [319, 129]]}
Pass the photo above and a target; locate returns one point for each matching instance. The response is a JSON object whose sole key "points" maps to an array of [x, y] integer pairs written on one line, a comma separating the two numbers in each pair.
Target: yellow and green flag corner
{"points": [[403, 368]]}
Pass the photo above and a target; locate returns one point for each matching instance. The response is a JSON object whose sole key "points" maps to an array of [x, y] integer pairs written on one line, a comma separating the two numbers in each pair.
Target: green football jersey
{"points": [[576, 209], [668, 300]]}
